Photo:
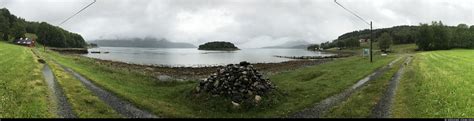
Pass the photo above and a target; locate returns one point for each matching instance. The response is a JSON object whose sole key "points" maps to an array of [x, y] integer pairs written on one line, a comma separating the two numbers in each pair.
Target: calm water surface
{"points": [[194, 57]]}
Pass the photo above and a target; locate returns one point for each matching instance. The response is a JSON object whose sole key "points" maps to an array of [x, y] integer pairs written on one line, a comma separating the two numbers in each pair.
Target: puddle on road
{"points": [[64, 109]]}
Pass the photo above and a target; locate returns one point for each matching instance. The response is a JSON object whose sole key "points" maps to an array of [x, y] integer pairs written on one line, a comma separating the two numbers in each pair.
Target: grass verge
{"points": [[23, 91]]}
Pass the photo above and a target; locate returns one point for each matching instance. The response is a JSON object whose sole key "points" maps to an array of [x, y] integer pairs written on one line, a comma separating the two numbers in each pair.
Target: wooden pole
{"points": [[371, 39]]}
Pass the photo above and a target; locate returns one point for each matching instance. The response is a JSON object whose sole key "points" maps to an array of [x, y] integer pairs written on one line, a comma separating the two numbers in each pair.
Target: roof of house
{"points": [[23, 41]]}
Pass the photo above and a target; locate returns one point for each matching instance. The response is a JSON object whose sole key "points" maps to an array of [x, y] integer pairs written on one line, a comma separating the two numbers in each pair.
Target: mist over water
{"points": [[191, 57]]}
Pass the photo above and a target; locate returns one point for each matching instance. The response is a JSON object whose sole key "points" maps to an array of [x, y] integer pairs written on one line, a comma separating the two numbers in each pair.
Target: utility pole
{"points": [[371, 31], [371, 39]]}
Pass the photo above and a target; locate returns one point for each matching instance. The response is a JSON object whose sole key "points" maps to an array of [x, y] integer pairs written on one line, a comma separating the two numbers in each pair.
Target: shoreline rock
{"points": [[197, 73]]}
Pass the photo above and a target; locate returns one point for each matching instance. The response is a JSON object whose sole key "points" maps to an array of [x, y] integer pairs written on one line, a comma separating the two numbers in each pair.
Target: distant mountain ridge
{"points": [[292, 44], [143, 43]]}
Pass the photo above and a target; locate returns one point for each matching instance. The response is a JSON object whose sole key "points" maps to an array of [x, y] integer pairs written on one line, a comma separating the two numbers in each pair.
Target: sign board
{"points": [[365, 52]]}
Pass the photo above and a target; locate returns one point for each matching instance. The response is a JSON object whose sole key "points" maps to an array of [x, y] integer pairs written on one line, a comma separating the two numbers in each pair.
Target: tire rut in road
{"points": [[123, 107], [382, 108], [320, 108], [64, 109]]}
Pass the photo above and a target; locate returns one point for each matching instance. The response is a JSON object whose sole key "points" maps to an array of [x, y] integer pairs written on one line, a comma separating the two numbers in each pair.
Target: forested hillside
{"points": [[400, 34], [13, 27], [432, 36]]}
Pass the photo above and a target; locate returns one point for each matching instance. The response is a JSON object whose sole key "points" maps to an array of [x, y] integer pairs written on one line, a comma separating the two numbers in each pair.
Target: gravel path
{"points": [[320, 108], [64, 108], [382, 109], [121, 106]]}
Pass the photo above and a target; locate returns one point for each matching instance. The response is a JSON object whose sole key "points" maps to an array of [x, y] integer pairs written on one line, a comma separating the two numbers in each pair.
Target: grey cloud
{"points": [[248, 23]]}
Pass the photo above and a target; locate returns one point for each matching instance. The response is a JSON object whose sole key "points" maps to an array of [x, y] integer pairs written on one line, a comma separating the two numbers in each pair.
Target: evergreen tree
{"points": [[385, 40]]}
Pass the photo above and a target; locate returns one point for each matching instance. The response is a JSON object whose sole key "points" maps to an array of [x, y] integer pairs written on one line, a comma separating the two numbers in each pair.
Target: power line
{"points": [[77, 12], [353, 13], [370, 24]]}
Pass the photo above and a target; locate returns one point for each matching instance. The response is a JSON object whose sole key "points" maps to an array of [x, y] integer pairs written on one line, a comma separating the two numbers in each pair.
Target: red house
{"points": [[25, 41]]}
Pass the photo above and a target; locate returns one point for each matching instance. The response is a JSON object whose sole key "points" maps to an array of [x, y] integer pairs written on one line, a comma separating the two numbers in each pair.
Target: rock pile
{"points": [[239, 82]]}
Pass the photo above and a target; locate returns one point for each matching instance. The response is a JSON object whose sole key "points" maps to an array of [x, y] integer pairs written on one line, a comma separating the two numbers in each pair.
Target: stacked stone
{"points": [[240, 82]]}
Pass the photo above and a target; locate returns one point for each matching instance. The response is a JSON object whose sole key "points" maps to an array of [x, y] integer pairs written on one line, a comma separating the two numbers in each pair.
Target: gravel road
{"points": [[121, 106], [320, 108], [382, 109], [64, 108]]}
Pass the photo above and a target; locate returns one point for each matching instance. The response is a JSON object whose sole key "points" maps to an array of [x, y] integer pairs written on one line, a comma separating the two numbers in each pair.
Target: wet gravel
{"points": [[382, 108], [123, 107], [64, 108], [323, 106]]}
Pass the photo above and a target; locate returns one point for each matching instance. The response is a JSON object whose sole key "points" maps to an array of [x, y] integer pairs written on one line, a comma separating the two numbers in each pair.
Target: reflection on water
{"points": [[194, 57]]}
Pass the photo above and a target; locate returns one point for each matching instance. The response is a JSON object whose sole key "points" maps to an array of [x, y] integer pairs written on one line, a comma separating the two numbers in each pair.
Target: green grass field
{"points": [[23, 91], [437, 84], [304, 87]]}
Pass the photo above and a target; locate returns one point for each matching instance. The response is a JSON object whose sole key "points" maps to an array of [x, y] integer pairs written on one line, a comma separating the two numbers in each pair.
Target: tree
{"points": [[441, 39], [4, 27], [425, 37], [385, 40], [313, 47], [463, 26], [18, 30], [340, 44]]}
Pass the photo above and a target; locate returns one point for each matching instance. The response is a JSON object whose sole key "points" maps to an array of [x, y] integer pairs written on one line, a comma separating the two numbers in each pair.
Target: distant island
{"points": [[218, 45], [147, 42]]}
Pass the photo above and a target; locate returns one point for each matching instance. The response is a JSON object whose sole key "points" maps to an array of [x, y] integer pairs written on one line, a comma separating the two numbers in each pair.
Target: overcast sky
{"points": [[248, 23]]}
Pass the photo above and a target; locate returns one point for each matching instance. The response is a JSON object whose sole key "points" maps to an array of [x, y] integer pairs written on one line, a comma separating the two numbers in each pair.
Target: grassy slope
{"points": [[84, 103], [304, 87], [437, 84], [23, 91]]}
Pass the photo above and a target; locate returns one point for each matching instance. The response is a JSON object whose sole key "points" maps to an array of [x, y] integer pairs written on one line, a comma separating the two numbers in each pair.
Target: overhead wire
{"points": [[77, 13]]}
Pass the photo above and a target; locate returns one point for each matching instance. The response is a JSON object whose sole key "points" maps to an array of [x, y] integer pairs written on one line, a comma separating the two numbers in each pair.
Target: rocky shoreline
{"points": [[169, 73], [165, 73], [339, 54]]}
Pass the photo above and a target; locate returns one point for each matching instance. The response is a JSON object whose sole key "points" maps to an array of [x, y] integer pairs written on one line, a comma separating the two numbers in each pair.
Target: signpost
{"points": [[365, 52]]}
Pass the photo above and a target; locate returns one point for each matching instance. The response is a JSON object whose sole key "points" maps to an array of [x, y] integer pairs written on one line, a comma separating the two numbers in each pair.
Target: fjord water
{"points": [[191, 57]]}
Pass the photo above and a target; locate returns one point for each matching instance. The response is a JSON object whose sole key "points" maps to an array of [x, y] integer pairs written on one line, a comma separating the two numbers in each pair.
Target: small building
{"points": [[364, 40], [25, 41]]}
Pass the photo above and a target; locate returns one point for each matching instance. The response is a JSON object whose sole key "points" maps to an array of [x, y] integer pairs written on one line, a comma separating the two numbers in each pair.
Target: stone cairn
{"points": [[239, 82]]}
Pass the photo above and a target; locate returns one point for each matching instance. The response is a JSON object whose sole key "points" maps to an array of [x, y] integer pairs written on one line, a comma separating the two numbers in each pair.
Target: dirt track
{"points": [[64, 109], [382, 109], [320, 108], [123, 107]]}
